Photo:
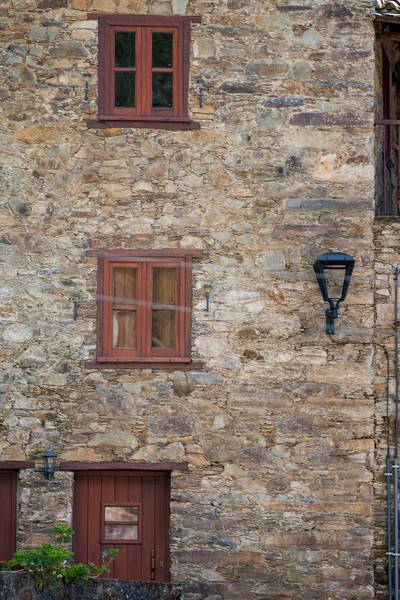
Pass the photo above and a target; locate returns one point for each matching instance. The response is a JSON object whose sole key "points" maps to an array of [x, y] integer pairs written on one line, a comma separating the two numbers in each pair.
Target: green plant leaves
{"points": [[53, 565]]}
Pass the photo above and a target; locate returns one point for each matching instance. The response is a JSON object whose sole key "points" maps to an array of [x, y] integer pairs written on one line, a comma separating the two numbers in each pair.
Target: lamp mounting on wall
{"points": [[333, 271], [207, 291], [49, 463]]}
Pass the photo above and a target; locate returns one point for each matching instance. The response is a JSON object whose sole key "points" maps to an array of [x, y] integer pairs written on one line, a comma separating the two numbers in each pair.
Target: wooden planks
{"points": [[8, 503], [144, 558]]}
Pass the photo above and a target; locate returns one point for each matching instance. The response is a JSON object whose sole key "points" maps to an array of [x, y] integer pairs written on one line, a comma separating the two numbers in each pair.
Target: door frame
{"points": [[125, 470], [12, 468]]}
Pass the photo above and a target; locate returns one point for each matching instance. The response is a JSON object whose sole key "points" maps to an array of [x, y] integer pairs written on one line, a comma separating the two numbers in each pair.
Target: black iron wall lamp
{"points": [[49, 463], [207, 287], [333, 271]]}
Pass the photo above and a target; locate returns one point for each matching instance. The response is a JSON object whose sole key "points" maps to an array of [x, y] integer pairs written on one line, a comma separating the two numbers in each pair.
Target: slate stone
{"points": [[53, 3], [23, 75], [282, 102], [267, 68], [19, 206], [294, 204], [240, 88], [274, 261], [205, 378], [43, 34], [173, 426], [315, 119], [4, 94], [69, 50]]}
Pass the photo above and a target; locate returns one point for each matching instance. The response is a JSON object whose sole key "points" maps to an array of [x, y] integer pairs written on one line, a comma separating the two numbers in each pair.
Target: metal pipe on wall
{"points": [[396, 439]]}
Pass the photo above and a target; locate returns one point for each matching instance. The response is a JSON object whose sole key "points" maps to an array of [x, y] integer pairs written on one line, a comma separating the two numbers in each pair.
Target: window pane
{"points": [[334, 281], [164, 286], [120, 532], [162, 90], [121, 513], [125, 281], [124, 329], [162, 50], [124, 49], [125, 89], [163, 329]]}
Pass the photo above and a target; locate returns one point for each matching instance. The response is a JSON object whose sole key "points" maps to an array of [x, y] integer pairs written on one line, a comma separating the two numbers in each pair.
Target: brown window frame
{"points": [[145, 354], [143, 115], [139, 524]]}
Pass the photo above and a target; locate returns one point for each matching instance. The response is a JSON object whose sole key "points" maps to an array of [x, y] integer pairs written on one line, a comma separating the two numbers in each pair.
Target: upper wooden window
{"points": [[144, 306], [144, 69]]}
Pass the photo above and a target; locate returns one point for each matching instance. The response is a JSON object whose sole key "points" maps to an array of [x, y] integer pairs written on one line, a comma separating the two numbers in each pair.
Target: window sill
{"points": [[143, 124], [115, 366]]}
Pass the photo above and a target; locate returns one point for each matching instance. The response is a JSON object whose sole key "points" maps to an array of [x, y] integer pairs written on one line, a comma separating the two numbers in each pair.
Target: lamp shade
{"points": [[333, 271], [49, 463]]}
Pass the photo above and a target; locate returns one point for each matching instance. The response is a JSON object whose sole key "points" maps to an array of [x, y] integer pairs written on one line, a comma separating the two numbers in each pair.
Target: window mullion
{"points": [[175, 82], [108, 302], [139, 71], [146, 305], [146, 78], [180, 300]]}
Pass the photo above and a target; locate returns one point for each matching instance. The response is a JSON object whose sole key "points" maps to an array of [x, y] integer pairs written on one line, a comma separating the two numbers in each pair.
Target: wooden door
{"points": [[8, 510], [127, 510]]}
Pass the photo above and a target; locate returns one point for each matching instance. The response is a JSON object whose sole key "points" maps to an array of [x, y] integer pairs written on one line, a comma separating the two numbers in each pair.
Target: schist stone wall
{"points": [[278, 428], [20, 586]]}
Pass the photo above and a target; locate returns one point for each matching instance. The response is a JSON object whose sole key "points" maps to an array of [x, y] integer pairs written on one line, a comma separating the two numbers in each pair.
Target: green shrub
{"points": [[52, 565]]}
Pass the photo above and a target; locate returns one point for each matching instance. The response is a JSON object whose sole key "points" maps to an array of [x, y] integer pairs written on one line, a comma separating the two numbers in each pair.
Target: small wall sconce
{"points": [[76, 297], [201, 83], [207, 290], [333, 271], [87, 75], [49, 463]]}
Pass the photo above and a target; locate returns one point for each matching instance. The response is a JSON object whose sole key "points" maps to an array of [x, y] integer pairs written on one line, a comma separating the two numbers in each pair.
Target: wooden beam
{"points": [[387, 18], [114, 254], [161, 366], [394, 36], [121, 466], [144, 19], [387, 122], [8, 465]]}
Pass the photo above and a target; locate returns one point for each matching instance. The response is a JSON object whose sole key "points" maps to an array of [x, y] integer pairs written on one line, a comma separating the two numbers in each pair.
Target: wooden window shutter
{"points": [[100, 307], [102, 58], [188, 306], [185, 54]]}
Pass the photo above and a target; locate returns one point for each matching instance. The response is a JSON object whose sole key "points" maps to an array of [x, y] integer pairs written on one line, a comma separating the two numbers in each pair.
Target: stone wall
{"points": [[277, 429], [20, 586]]}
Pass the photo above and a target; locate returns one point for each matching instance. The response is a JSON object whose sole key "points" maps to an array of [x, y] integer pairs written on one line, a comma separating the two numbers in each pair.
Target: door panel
{"points": [[143, 551], [8, 506]]}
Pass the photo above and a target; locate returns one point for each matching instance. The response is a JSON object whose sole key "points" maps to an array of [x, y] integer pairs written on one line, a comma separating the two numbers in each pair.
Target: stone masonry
{"points": [[278, 427]]}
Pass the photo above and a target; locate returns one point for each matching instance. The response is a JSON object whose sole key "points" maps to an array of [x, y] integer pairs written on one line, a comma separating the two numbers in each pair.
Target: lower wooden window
{"points": [[144, 306]]}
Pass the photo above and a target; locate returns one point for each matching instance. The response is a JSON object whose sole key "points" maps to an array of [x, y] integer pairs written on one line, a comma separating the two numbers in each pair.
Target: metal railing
{"points": [[388, 167]]}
